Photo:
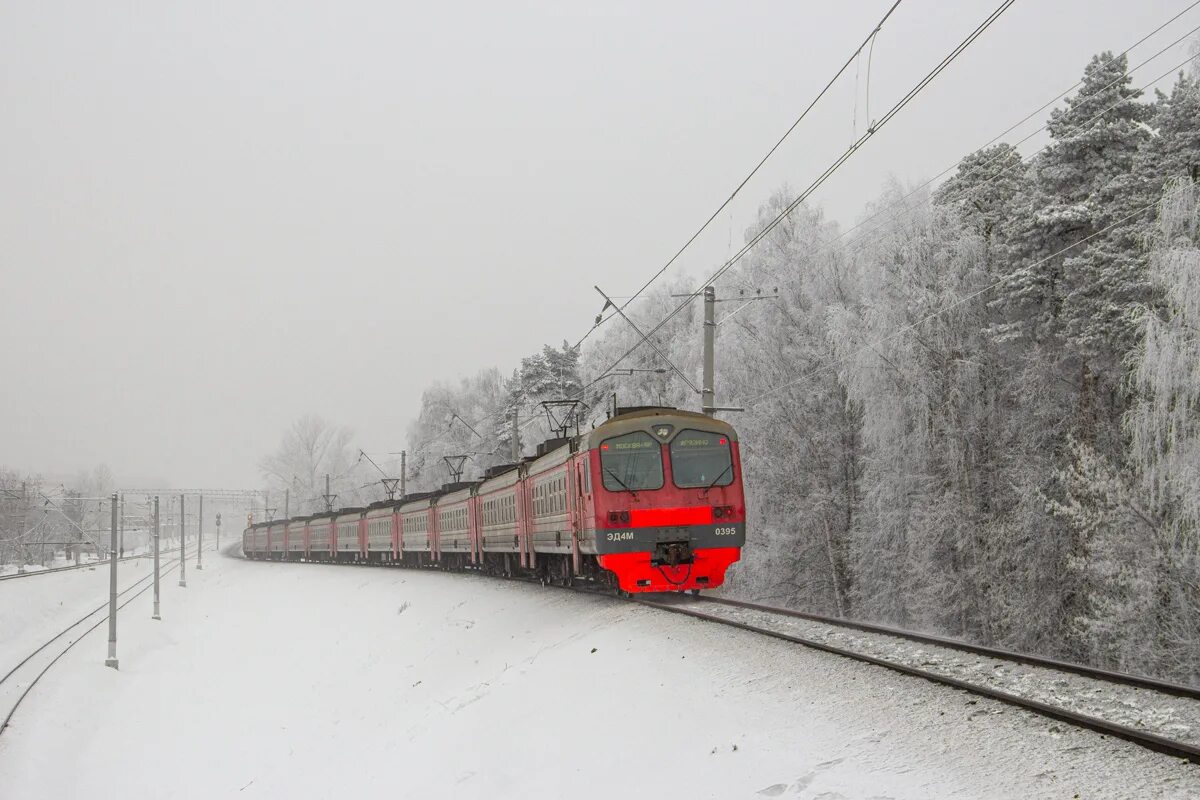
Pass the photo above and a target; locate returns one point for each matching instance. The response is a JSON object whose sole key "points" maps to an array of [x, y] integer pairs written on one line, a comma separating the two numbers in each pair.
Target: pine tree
{"points": [[1174, 149], [983, 189], [1083, 184]]}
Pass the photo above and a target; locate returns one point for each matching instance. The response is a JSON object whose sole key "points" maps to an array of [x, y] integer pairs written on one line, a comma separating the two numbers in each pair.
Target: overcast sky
{"points": [[216, 217]]}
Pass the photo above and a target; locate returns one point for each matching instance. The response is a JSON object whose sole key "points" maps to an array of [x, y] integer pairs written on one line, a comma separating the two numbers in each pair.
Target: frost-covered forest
{"points": [[973, 413], [40, 518]]}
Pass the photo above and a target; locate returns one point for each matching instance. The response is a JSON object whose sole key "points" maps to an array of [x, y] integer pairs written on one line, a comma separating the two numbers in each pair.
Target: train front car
{"points": [[669, 511]]}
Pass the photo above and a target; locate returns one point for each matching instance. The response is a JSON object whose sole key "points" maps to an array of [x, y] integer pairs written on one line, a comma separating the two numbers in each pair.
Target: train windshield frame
{"points": [[631, 462], [701, 459]]}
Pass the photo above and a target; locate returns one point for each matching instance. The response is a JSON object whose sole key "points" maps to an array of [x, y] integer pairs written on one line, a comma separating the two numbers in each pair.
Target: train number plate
{"points": [[726, 531], [619, 536]]}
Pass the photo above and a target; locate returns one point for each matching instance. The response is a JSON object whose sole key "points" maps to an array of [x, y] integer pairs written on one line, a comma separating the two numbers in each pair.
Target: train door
{"points": [[397, 541], [473, 535], [575, 511]]}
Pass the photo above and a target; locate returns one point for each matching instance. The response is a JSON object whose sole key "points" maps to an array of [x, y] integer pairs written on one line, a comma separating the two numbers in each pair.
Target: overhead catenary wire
{"points": [[948, 307], [608, 372], [859, 242], [1081, 126], [829, 171], [1040, 109], [837, 241], [912, 326], [872, 130], [870, 39]]}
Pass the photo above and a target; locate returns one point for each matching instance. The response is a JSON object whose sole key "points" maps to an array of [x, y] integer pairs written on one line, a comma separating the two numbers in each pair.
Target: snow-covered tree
{"points": [[1164, 425], [311, 449], [1083, 185]]}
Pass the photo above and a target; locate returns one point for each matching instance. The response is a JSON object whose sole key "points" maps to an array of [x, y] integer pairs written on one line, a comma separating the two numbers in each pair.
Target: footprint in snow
{"points": [[774, 790]]}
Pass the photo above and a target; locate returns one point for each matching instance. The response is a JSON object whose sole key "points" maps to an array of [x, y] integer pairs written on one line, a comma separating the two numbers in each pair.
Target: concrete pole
{"points": [[111, 661], [710, 327], [20, 531], [200, 537], [122, 518], [287, 503], [403, 472], [516, 441], [155, 615], [182, 554]]}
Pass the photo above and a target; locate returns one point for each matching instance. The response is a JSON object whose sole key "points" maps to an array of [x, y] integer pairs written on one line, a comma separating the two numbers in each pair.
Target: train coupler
{"points": [[672, 554]]}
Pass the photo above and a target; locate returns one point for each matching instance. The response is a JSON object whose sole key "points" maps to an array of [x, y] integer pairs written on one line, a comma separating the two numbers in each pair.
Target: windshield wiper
{"points": [[618, 480], [714, 482]]}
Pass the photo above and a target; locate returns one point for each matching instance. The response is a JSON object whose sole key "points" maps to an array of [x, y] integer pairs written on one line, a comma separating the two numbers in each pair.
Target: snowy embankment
{"points": [[278, 680], [1143, 709]]}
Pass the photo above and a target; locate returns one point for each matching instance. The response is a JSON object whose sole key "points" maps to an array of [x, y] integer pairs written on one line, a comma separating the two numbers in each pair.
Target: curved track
{"points": [[1121, 716], [11, 684], [1105, 696]]}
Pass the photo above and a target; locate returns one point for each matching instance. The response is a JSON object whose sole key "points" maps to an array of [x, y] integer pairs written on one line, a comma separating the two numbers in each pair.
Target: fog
{"points": [[216, 218]]}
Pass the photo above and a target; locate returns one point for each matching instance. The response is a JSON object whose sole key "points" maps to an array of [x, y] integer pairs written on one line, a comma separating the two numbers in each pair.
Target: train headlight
{"points": [[625, 517]]}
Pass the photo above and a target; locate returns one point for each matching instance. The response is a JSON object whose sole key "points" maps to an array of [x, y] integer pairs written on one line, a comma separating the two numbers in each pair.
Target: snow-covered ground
{"points": [[1147, 710], [298, 681], [35, 608]]}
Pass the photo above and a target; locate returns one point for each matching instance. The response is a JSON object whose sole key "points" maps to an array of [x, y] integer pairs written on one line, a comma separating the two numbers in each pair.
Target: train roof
{"points": [[662, 422], [498, 469]]}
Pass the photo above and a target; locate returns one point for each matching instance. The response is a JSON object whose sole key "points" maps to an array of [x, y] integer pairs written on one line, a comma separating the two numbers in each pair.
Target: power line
{"points": [[944, 309], [891, 113], [608, 372], [1076, 129], [870, 39], [832, 168], [1081, 126]]}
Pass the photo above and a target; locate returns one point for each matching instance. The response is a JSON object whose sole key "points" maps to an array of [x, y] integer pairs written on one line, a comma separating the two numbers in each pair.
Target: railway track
{"points": [[1158, 715], [19, 680], [88, 565], [1155, 714]]}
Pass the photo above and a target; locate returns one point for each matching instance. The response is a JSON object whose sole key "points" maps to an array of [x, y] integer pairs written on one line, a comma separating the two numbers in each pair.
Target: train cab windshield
{"points": [[631, 463], [701, 459]]}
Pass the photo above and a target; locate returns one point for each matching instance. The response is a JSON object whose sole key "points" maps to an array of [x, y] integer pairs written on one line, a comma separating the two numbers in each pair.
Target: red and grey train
{"points": [[649, 501]]}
